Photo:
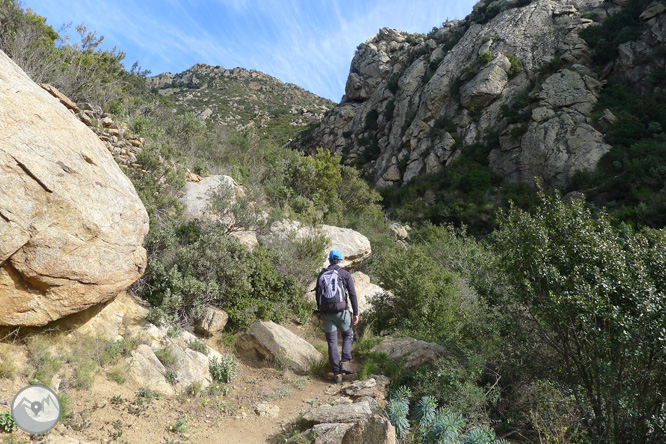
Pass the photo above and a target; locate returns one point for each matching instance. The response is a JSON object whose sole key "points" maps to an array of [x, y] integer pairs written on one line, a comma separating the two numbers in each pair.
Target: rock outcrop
{"points": [[71, 223], [213, 321], [513, 76]]}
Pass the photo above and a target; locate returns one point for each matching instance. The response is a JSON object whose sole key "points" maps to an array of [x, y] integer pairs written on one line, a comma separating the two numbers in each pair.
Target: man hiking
{"points": [[333, 285]]}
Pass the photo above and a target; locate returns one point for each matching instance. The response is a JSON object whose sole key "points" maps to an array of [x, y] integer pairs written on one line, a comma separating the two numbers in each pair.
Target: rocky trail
{"points": [[265, 403]]}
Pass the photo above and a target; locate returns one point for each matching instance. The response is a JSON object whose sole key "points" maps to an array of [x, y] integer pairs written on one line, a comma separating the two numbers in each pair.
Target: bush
{"points": [[225, 369], [426, 303], [433, 425], [393, 83], [516, 65], [486, 57], [79, 69], [595, 293], [7, 423], [45, 364], [371, 120], [623, 26], [199, 346], [194, 264]]}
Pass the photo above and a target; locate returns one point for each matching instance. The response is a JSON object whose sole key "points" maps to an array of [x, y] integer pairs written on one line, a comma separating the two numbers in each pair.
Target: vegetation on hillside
{"points": [[553, 324], [238, 98]]}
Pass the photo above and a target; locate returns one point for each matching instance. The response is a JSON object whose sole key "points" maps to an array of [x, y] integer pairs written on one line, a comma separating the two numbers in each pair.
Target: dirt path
{"points": [[109, 412]]}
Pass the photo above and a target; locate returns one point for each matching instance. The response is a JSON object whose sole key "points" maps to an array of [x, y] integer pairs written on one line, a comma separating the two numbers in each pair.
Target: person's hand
{"points": [[355, 320]]}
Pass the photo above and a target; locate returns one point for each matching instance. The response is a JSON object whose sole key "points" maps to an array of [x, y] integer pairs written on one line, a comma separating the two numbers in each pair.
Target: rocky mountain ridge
{"points": [[513, 77], [240, 98]]}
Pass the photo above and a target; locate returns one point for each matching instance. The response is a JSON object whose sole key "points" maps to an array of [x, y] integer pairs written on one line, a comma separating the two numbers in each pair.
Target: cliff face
{"points": [[512, 76]]}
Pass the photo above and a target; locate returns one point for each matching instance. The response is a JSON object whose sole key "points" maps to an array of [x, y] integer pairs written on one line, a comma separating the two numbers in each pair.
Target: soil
{"points": [[109, 412]]}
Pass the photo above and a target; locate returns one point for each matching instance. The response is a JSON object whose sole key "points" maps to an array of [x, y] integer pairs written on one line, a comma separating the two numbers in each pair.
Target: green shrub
{"points": [[393, 83], [180, 426], [518, 131], [199, 346], [166, 356], [171, 377], [7, 423], [551, 66], [595, 292], [621, 27], [486, 57], [45, 364], [225, 369], [432, 425], [516, 65], [371, 120]]}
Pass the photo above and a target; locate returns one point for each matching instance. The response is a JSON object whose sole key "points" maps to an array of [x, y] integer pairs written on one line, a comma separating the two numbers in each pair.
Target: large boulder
{"points": [[71, 223], [354, 246], [274, 342], [365, 290], [329, 433], [411, 352]]}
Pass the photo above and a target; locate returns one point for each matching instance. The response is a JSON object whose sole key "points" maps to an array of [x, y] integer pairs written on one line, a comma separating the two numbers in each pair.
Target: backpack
{"points": [[332, 297]]}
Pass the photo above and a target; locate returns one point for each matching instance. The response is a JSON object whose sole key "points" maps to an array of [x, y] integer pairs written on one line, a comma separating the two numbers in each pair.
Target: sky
{"points": [[306, 42]]}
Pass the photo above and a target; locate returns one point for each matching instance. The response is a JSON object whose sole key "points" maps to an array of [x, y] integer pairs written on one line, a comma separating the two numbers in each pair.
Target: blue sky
{"points": [[306, 42]]}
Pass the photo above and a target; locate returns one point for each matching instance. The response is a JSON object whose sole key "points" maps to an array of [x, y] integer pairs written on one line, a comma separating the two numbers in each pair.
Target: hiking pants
{"points": [[332, 323]]}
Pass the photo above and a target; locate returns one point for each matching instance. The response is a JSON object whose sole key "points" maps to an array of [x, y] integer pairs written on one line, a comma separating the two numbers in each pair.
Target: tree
{"points": [[596, 297]]}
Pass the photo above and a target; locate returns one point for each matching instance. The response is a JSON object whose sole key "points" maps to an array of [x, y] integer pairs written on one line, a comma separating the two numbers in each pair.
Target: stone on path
{"points": [[272, 341], [338, 413]]}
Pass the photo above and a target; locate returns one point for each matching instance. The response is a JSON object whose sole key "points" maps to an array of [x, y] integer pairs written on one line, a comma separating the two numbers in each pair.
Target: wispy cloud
{"points": [[306, 42]]}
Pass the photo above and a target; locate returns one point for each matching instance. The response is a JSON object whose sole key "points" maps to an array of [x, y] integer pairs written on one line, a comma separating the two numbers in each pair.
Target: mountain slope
{"points": [[238, 98]]}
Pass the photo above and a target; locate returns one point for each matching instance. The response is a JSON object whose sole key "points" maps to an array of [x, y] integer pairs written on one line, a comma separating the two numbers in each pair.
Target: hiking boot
{"points": [[338, 379], [344, 368]]}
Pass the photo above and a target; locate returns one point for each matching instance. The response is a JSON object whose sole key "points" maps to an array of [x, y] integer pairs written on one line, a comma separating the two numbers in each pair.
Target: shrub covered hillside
{"points": [[238, 98], [553, 323]]}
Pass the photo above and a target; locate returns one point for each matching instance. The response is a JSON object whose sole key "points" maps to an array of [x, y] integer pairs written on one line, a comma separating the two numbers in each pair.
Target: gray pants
{"points": [[332, 323]]}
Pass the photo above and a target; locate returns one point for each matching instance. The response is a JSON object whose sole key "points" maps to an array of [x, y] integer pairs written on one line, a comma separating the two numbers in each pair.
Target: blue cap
{"points": [[335, 254]]}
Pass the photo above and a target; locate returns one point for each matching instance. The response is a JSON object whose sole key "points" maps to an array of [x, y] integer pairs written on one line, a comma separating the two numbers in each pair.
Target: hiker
{"points": [[333, 285]]}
